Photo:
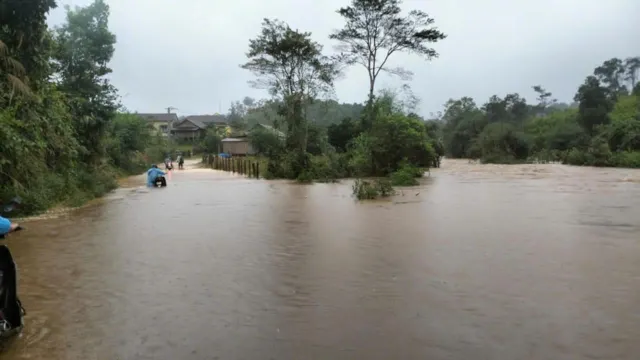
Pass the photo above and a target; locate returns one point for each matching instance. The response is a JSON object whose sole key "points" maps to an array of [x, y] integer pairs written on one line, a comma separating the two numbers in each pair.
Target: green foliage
{"points": [[83, 49], [372, 189], [627, 159], [328, 168], [212, 141], [128, 138], [595, 105], [396, 137], [406, 175], [266, 143], [342, 134], [24, 49], [502, 143]]}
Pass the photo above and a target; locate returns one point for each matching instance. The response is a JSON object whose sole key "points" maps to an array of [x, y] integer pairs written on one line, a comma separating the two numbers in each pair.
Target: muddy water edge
{"points": [[478, 262]]}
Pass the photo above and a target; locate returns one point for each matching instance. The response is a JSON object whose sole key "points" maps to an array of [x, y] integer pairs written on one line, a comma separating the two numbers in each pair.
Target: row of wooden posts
{"points": [[234, 165]]}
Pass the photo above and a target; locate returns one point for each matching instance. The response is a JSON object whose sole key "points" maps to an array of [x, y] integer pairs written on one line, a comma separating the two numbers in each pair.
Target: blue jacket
{"points": [[5, 225], [152, 174]]}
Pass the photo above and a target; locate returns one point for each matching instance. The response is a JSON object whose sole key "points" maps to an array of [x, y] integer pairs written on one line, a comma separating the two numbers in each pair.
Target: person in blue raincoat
{"points": [[153, 174], [6, 226]]}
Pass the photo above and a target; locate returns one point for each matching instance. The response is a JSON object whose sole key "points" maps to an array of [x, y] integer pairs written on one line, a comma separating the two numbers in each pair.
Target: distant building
{"points": [[237, 146], [161, 123], [240, 145], [195, 126]]}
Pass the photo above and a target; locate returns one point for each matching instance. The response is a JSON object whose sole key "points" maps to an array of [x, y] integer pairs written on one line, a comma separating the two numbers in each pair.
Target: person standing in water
{"points": [[180, 162]]}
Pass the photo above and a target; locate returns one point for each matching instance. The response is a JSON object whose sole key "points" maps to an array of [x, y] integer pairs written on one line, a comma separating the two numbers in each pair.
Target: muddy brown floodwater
{"points": [[479, 262]]}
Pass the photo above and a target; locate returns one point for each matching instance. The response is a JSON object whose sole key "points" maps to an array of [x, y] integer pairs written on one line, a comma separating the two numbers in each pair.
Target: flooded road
{"points": [[479, 262]]}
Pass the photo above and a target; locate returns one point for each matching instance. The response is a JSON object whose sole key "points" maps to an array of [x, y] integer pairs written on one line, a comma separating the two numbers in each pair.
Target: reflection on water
{"points": [[479, 262]]}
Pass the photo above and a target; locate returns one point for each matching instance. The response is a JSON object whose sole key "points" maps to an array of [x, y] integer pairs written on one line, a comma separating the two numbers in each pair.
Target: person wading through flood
{"points": [[180, 162]]}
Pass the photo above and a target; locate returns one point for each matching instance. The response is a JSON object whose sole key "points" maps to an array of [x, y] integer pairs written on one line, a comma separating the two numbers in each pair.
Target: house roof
{"points": [[202, 121], [159, 117]]}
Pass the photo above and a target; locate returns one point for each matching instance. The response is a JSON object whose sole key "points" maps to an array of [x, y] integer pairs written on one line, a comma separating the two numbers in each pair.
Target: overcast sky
{"points": [[186, 53]]}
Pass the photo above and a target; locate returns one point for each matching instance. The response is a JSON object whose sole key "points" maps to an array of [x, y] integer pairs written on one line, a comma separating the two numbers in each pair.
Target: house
{"points": [[241, 145], [195, 126], [161, 123], [237, 146]]}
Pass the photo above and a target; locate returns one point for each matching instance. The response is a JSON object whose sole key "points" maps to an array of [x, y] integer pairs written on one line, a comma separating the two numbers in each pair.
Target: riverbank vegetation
{"points": [[601, 127], [64, 138]]}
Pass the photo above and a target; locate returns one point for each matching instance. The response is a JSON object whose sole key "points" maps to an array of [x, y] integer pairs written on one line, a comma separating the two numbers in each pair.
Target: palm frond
{"points": [[18, 85], [15, 67]]}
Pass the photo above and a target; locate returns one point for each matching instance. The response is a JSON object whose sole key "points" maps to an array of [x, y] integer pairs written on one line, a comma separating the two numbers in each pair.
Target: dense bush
{"points": [[372, 189]]}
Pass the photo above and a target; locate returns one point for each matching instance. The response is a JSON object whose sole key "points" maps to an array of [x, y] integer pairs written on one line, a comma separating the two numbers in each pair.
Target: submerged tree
{"points": [[291, 66], [375, 30]]}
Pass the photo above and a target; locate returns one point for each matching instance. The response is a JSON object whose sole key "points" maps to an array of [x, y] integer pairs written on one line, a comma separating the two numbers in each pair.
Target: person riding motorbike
{"points": [[11, 310], [153, 174], [168, 163], [6, 226]]}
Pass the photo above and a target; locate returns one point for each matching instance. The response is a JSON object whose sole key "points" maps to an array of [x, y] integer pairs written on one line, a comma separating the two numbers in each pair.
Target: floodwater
{"points": [[479, 262]]}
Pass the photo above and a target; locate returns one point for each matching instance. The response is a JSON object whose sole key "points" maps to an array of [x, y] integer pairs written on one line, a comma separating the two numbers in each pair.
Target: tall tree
{"points": [[632, 66], [249, 102], [611, 75], [544, 98], [84, 48], [595, 104], [291, 66], [375, 29], [236, 117]]}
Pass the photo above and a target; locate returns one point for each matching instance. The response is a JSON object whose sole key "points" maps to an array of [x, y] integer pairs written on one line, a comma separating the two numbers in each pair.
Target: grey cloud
{"points": [[186, 53]]}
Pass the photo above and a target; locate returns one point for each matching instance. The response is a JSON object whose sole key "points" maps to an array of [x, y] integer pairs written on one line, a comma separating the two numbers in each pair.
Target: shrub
{"points": [[406, 175], [368, 190]]}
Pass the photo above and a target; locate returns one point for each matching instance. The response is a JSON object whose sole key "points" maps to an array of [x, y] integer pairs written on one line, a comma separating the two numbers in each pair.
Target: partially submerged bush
{"points": [[372, 189]]}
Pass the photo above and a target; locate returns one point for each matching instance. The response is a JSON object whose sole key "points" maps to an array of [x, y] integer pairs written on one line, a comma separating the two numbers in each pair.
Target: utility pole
{"points": [[171, 108]]}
